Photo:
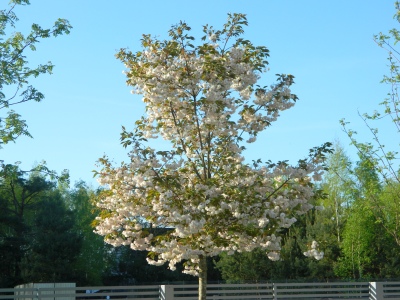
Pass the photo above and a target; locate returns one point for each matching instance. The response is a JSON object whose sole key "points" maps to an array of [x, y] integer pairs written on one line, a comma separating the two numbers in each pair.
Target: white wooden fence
{"points": [[273, 291]]}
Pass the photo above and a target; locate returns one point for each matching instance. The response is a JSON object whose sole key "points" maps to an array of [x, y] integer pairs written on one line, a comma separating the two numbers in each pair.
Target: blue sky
{"points": [[327, 45]]}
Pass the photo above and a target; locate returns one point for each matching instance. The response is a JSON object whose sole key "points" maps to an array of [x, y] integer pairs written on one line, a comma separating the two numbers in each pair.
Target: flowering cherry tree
{"points": [[204, 100]]}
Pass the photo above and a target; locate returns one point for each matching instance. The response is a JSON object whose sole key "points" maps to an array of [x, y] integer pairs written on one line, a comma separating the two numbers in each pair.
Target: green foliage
{"points": [[388, 212], [368, 239], [372, 230], [356, 229], [46, 234], [126, 266], [20, 196], [91, 258], [15, 71], [248, 266], [55, 245], [374, 153], [294, 265], [368, 250]]}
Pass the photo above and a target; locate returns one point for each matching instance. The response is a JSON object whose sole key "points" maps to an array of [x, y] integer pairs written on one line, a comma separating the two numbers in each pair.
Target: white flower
{"points": [[274, 256], [213, 37], [314, 252]]}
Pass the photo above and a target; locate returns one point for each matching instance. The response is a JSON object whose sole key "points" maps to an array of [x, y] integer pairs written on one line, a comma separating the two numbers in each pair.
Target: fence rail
{"points": [[266, 291]]}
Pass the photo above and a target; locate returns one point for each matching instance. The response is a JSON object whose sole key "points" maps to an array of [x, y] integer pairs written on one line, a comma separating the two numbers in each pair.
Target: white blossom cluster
{"points": [[202, 194], [314, 252]]}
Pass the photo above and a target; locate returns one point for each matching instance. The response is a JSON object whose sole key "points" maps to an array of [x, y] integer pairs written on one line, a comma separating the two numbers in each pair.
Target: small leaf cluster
{"points": [[15, 70]]}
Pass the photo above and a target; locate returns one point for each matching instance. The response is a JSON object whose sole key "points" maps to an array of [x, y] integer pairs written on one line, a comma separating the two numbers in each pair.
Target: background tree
{"points": [[91, 261], [20, 194], [204, 101], [251, 266], [15, 71], [338, 185], [374, 154], [19, 197], [294, 265], [327, 225], [368, 246], [127, 266], [55, 244]]}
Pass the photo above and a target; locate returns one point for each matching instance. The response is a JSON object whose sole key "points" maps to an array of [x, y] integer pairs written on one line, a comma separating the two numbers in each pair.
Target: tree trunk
{"points": [[202, 277]]}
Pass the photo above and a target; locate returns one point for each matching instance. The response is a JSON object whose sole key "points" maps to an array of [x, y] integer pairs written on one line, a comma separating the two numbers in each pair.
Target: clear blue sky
{"points": [[326, 45]]}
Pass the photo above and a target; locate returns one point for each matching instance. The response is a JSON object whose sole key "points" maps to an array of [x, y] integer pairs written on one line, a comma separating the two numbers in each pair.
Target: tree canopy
{"points": [[204, 100]]}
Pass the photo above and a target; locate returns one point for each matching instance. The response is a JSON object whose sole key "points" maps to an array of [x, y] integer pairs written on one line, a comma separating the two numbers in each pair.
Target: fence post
{"points": [[376, 290], [274, 291], [166, 292]]}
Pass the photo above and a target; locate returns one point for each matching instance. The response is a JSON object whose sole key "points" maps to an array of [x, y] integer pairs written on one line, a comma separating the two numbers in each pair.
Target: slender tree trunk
{"points": [[337, 219], [202, 277]]}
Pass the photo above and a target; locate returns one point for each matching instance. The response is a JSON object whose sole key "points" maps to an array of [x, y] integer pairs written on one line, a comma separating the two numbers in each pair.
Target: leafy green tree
{"points": [[356, 229], [293, 265], [368, 245], [359, 235], [127, 266], [21, 194], [387, 209], [248, 267], [15, 70], [316, 225], [384, 162], [338, 185], [368, 250], [327, 225], [55, 244], [19, 197], [92, 256], [324, 224]]}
